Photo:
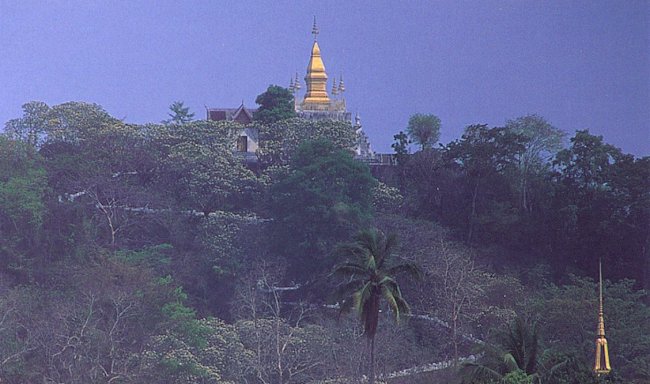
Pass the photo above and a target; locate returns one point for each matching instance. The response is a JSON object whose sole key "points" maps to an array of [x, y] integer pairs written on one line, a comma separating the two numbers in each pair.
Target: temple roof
{"points": [[241, 114]]}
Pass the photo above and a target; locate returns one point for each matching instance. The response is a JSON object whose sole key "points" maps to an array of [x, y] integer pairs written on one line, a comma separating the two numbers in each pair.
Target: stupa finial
{"points": [[601, 364], [314, 30]]}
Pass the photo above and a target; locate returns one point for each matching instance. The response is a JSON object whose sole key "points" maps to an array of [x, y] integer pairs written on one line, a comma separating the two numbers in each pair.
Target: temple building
{"points": [[248, 140], [316, 104]]}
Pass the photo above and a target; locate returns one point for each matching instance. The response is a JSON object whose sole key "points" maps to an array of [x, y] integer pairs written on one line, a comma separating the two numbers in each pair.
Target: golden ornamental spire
{"points": [[601, 364], [316, 77]]}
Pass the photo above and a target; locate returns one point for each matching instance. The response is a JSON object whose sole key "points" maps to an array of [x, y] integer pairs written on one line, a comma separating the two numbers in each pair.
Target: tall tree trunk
{"points": [[646, 271], [523, 185], [454, 331], [524, 193], [473, 214], [371, 374]]}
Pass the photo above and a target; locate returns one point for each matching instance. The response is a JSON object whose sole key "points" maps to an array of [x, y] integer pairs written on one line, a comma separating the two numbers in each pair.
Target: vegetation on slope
{"points": [[150, 253]]}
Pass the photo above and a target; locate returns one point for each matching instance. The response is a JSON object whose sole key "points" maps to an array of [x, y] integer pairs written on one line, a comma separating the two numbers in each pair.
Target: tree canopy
{"points": [[424, 130], [279, 141], [180, 114], [275, 104], [324, 198]]}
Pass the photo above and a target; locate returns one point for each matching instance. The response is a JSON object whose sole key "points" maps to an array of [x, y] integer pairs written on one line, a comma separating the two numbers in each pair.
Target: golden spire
{"points": [[316, 77], [601, 365]]}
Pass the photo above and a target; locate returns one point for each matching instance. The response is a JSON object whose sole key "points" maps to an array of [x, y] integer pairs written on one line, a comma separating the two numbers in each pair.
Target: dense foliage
{"points": [[323, 198], [274, 105], [500, 189], [152, 254]]}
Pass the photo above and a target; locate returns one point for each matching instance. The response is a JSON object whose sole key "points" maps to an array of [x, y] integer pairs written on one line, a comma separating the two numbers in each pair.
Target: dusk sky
{"points": [[579, 64]]}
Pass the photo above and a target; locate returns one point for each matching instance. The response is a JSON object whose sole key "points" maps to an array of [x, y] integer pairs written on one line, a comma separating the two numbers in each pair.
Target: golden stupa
{"points": [[316, 78], [317, 103]]}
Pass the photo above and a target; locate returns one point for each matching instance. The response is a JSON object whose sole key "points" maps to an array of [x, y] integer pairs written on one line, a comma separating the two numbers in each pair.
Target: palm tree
{"points": [[516, 361], [521, 341], [370, 274], [505, 370]]}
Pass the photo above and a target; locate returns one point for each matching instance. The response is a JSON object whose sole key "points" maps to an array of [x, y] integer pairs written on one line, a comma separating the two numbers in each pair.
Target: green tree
{"points": [[485, 156], [371, 276], [601, 208], [324, 197], [220, 358], [587, 162], [199, 169], [515, 360], [180, 114], [75, 122], [279, 141], [102, 163], [275, 104], [541, 142], [401, 144], [32, 126], [401, 148], [68, 122], [23, 184], [521, 341], [426, 180], [424, 130]]}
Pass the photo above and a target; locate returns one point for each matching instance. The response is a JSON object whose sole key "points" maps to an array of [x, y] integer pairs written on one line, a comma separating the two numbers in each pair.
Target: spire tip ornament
{"points": [[314, 30]]}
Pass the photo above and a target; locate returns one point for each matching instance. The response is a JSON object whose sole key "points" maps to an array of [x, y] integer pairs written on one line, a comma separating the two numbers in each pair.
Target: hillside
{"points": [[152, 254]]}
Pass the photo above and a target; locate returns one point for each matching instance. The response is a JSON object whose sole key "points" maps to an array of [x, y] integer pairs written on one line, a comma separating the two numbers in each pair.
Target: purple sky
{"points": [[580, 64]]}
